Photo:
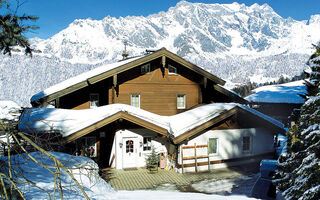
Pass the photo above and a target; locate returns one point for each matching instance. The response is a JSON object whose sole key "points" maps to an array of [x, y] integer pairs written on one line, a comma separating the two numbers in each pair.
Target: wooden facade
{"points": [[158, 89]]}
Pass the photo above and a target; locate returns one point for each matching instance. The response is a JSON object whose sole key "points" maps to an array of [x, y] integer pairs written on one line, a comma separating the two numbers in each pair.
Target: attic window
{"points": [[181, 101], [172, 70], [145, 68], [135, 100]]}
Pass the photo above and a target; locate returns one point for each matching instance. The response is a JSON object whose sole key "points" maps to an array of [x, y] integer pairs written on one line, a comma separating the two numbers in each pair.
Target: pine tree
{"points": [[298, 175], [12, 29]]}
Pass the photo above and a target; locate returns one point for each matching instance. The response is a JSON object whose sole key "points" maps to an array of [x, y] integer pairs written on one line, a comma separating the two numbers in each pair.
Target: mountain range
{"points": [[236, 42]]}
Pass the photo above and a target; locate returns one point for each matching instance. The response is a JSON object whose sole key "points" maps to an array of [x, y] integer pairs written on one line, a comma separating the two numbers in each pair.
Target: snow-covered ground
{"points": [[282, 93], [86, 172]]}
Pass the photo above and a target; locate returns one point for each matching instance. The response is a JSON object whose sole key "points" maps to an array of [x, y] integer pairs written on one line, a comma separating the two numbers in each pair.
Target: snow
{"points": [[312, 99], [162, 195], [9, 110], [242, 185], [84, 170], [80, 78], [68, 121], [86, 173], [282, 93]]}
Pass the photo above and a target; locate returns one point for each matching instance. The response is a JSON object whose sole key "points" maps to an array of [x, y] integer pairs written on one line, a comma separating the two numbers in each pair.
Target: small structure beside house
{"points": [[279, 101], [116, 113]]}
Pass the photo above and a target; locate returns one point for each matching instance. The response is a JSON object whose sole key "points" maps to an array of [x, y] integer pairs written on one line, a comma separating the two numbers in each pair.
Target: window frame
{"points": [[217, 145], [91, 100], [84, 142], [146, 144], [147, 67], [247, 143], [172, 73], [131, 98], [184, 101]]}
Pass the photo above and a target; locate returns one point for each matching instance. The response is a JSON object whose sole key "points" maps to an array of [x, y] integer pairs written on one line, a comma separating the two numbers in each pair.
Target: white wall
{"points": [[229, 145], [159, 143]]}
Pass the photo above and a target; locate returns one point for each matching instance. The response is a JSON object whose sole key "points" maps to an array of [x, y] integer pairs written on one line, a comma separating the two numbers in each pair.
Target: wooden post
{"points": [[182, 157], [205, 80], [57, 102], [112, 94], [163, 61], [114, 85], [195, 157]]}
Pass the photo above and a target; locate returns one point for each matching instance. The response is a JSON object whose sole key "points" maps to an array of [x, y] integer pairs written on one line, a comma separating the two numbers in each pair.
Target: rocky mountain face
{"points": [[236, 42]]}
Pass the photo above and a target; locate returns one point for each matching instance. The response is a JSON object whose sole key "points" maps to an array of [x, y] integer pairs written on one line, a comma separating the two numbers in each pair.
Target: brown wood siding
{"points": [[158, 93], [158, 90]]}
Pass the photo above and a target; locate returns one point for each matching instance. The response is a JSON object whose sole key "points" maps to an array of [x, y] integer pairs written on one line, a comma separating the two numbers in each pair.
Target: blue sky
{"points": [[56, 15]]}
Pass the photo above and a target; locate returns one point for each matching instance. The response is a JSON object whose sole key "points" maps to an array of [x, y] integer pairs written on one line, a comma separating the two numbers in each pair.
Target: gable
{"points": [[162, 56]]}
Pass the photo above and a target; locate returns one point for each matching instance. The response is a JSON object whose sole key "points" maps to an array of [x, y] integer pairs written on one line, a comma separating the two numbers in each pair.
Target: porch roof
{"points": [[73, 124]]}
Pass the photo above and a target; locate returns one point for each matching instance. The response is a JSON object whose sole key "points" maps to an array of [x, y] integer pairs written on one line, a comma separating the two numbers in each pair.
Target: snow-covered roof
{"points": [[80, 78], [283, 93], [68, 122]]}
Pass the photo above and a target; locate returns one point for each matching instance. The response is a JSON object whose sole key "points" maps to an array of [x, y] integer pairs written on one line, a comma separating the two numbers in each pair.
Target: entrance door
{"points": [[129, 152]]}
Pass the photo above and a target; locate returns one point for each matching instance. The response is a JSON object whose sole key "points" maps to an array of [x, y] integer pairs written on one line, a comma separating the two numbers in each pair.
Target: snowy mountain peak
{"points": [[225, 39], [314, 19]]}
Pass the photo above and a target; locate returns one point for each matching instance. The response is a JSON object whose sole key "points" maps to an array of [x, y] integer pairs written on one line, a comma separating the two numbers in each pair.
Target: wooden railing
{"points": [[195, 157]]}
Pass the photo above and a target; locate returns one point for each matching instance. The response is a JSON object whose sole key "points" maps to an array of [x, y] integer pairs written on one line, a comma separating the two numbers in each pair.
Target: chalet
{"points": [[116, 113], [279, 101]]}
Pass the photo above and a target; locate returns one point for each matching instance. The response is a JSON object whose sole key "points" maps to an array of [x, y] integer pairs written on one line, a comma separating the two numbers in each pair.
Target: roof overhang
{"points": [[191, 133], [113, 118]]}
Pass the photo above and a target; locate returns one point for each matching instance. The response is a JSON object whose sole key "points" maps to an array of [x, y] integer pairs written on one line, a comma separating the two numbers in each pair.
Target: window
{"points": [[181, 101], [135, 100], [213, 145], [246, 143], [145, 68], [172, 70], [146, 143], [87, 147], [129, 146], [94, 100]]}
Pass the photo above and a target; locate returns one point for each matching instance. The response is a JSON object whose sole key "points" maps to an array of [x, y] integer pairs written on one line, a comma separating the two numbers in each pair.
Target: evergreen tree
{"points": [[12, 29], [298, 175]]}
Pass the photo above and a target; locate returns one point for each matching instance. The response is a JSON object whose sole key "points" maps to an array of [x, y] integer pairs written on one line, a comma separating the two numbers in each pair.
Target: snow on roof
{"points": [[190, 119], [80, 78], [68, 122], [230, 91], [283, 93]]}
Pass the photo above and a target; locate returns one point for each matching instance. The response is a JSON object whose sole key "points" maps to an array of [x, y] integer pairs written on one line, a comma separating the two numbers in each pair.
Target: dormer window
{"points": [[172, 69], [145, 69]]}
